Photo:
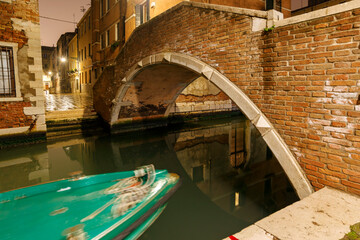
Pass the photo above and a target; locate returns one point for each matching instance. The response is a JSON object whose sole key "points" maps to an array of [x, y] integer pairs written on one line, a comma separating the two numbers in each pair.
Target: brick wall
{"points": [[12, 115], [19, 24], [24, 10], [304, 77], [311, 87], [223, 30]]}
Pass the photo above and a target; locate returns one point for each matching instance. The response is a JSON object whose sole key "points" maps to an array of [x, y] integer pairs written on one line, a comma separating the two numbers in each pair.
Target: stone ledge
{"points": [[325, 214], [319, 13], [11, 99], [237, 10]]}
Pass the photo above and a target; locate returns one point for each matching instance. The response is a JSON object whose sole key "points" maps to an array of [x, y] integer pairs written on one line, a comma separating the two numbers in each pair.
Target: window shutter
{"points": [[138, 14]]}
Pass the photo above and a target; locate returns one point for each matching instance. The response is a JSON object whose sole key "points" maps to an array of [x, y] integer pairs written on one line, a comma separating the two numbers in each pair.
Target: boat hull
{"points": [[48, 210]]}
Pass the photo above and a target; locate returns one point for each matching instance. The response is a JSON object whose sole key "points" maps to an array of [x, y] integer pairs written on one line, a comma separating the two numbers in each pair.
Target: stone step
{"points": [[70, 114], [60, 128]]}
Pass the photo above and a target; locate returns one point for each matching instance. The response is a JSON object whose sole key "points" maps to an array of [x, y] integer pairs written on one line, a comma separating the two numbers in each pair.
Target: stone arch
{"points": [[252, 112]]}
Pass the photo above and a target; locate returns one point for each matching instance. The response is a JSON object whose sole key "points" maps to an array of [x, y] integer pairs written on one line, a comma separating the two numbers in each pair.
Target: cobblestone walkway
{"points": [[65, 102]]}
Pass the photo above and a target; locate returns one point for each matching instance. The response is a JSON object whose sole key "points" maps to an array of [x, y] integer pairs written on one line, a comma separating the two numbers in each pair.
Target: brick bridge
{"points": [[299, 84]]}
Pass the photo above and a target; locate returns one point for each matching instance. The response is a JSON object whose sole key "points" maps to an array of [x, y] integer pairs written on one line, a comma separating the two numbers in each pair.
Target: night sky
{"points": [[59, 9]]}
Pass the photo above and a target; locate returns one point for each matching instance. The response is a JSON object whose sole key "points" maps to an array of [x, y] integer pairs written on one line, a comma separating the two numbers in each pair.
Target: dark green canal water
{"points": [[230, 178]]}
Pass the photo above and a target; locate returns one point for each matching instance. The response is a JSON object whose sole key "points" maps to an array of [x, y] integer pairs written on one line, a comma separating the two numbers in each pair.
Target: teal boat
{"points": [[119, 205]]}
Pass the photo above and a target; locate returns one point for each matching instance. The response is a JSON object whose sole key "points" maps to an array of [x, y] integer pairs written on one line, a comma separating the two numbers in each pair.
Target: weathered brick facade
{"points": [[303, 76], [24, 10], [20, 30], [12, 115], [310, 92]]}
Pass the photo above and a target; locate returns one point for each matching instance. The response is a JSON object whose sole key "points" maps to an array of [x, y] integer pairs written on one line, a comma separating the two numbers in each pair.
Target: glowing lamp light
{"points": [[63, 59]]}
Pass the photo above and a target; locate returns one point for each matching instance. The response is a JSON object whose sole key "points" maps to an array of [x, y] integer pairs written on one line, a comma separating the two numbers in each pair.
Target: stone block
{"points": [[236, 95], [195, 65], [41, 120], [146, 61], [258, 24], [326, 214], [36, 84], [34, 110], [178, 59], [37, 98], [207, 72]]}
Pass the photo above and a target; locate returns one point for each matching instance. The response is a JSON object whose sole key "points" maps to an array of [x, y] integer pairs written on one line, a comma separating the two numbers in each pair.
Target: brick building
{"points": [[84, 37], [21, 87]]}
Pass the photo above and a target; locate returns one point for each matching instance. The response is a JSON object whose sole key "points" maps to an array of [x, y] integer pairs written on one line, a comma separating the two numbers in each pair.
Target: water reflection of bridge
{"points": [[233, 185], [230, 176]]}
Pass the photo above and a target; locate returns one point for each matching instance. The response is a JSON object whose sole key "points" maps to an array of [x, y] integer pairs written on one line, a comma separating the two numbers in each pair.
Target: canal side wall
{"points": [[303, 75], [310, 92], [22, 113]]}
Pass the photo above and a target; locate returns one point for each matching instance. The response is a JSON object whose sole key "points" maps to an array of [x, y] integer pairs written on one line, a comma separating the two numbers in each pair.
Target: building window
{"points": [[107, 38], [101, 8], [89, 50], [82, 55], [85, 52], [7, 72], [86, 77], [84, 26], [142, 13], [102, 41], [107, 5], [118, 31], [89, 76], [95, 73]]}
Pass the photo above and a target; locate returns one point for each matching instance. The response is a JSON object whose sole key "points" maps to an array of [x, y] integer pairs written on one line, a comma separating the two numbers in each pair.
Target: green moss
{"points": [[356, 228], [13, 140], [269, 29], [354, 234]]}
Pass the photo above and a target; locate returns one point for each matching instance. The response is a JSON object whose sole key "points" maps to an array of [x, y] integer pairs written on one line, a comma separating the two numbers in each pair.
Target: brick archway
{"points": [[191, 69]]}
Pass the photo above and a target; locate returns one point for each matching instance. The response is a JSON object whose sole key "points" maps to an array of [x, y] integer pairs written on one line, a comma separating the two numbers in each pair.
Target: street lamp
{"points": [[63, 59]]}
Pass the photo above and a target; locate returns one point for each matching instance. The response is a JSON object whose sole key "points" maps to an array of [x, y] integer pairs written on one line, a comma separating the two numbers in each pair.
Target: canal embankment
{"points": [[325, 214]]}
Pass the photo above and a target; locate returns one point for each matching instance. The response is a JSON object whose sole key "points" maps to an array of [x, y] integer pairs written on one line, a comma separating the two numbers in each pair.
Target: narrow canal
{"points": [[230, 178]]}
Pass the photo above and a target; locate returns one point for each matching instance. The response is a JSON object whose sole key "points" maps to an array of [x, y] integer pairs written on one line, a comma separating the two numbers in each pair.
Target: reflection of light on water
{"points": [[237, 197]]}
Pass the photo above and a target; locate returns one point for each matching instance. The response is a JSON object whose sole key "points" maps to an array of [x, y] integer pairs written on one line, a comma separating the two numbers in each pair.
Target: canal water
{"points": [[230, 178]]}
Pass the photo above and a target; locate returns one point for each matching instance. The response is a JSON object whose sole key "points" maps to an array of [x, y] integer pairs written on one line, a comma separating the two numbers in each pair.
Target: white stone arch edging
{"points": [[252, 112]]}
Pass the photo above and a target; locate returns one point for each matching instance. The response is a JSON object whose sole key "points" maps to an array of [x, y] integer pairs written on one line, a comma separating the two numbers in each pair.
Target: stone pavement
{"points": [[63, 102], [325, 215], [68, 106]]}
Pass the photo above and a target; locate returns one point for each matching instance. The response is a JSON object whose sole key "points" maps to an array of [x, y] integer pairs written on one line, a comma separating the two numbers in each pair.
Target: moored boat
{"points": [[106, 206]]}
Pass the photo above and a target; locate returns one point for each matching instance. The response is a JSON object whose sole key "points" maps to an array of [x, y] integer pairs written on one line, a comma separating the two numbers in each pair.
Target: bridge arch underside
{"points": [[152, 86], [154, 89]]}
